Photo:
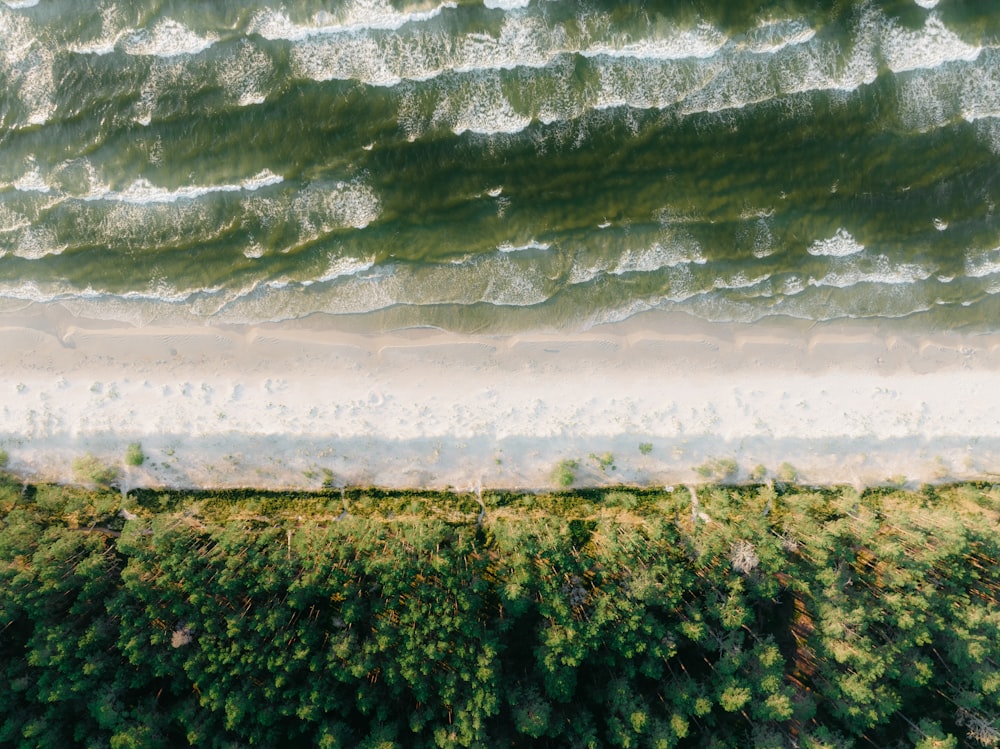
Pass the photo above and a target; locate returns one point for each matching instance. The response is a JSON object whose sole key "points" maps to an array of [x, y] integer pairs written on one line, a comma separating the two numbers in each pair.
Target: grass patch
{"points": [[718, 469], [787, 473], [605, 461], [89, 469], [564, 473], [134, 455]]}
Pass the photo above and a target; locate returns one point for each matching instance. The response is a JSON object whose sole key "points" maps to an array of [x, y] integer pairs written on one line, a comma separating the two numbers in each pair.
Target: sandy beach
{"points": [[293, 405]]}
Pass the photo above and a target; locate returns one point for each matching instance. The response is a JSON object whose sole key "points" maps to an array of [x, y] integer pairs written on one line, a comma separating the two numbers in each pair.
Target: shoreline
{"points": [[277, 406]]}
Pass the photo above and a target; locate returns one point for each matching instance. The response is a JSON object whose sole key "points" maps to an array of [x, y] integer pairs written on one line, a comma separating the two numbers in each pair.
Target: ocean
{"points": [[499, 165]]}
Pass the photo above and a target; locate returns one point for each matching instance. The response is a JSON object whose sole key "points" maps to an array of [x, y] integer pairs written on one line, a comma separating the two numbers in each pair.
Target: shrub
{"points": [[645, 448], [604, 461], [3, 459], [759, 472], [718, 469], [134, 455], [564, 473], [787, 473], [89, 469]]}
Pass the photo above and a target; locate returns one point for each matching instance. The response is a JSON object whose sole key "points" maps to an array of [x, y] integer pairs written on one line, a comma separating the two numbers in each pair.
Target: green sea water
{"points": [[499, 165]]}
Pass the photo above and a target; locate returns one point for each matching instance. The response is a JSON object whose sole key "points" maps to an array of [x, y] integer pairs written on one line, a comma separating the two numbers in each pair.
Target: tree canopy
{"points": [[771, 617]]}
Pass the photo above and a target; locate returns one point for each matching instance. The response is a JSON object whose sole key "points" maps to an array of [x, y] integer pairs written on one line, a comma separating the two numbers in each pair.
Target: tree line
{"points": [[696, 617]]}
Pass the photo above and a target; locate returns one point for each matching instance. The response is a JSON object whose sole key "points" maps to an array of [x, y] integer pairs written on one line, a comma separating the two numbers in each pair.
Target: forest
{"points": [[770, 615]]}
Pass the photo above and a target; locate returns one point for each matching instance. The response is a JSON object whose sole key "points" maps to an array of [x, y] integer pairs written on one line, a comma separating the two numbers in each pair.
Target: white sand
{"points": [[274, 406]]}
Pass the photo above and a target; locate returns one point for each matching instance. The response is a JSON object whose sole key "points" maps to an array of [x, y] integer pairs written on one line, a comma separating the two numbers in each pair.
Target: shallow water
{"points": [[500, 165]]}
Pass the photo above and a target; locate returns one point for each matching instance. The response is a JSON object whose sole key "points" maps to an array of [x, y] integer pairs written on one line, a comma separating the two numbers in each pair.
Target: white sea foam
{"points": [[159, 302], [340, 267], [683, 284], [99, 47], [840, 244], [387, 60], [879, 269], [983, 264], [501, 4], [926, 102], [700, 42], [26, 62], [499, 279], [357, 57], [979, 88], [532, 245], [12, 221], [316, 210], [347, 204], [927, 3], [778, 59], [111, 34], [989, 130], [695, 69], [789, 286], [245, 74], [19, 38], [524, 41], [142, 191], [930, 47], [162, 73], [774, 36], [35, 242], [670, 253], [480, 107], [934, 98], [505, 283], [757, 231], [159, 226], [668, 216], [19, 4], [740, 280], [359, 15], [32, 181], [73, 179], [168, 38], [737, 76], [657, 256]]}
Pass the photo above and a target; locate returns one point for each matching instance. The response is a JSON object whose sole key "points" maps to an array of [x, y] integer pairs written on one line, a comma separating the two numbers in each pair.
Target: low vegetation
{"points": [[604, 461], [564, 473], [787, 473], [134, 455], [794, 617], [723, 470], [89, 469]]}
